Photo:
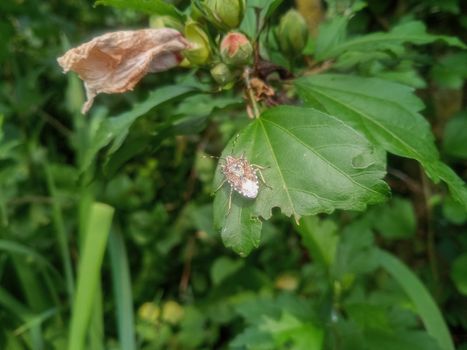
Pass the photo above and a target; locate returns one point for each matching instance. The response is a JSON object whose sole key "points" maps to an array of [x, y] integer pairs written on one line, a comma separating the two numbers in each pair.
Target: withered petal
{"points": [[115, 62]]}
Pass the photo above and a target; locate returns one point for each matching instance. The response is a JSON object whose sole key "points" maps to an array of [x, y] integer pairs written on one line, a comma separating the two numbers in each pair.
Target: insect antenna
{"points": [[214, 157]]}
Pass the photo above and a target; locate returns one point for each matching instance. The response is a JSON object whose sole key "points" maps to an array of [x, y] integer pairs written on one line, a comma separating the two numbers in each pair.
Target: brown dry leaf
{"points": [[116, 62], [260, 89]]}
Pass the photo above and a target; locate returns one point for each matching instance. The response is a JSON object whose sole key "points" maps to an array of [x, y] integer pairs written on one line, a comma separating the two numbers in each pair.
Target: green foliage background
{"points": [[110, 237]]}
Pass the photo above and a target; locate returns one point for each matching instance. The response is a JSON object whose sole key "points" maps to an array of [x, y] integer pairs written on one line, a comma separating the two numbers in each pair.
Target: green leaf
{"points": [[313, 164], [406, 33], [252, 21], [289, 329], [455, 134], [331, 34], [453, 211], [223, 267], [420, 297], [459, 273], [320, 238], [151, 7], [451, 71], [387, 113], [115, 130], [395, 219]]}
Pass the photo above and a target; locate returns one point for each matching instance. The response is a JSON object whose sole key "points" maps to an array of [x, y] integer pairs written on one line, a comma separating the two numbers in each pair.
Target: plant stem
{"points": [[254, 104], [61, 234]]}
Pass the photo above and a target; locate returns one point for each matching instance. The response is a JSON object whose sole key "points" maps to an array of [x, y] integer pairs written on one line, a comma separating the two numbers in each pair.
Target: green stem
{"points": [[93, 248], [60, 233]]}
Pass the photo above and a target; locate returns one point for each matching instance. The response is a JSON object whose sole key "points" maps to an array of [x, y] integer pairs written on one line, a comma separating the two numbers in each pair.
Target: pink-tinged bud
{"points": [[236, 49]]}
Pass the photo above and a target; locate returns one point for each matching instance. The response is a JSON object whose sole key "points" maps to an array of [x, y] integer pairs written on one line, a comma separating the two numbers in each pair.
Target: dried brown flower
{"points": [[116, 62]]}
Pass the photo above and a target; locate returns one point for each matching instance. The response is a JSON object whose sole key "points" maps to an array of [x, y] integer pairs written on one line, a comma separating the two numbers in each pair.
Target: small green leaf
{"points": [[451, 71], [289, 329], [459, 273], [395, 219], [453, 211], [151, 7], [387, 113], [309, 167], [320, 238], [455, 135], [223, 267]]}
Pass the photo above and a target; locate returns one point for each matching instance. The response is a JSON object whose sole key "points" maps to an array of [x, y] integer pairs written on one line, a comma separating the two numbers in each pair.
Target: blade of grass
{"points": [[32, 284], [122, 291], [93, 248], [60, 233], [30, 254], [23, 313], [35, 320], [420, 297], [96, 326]]}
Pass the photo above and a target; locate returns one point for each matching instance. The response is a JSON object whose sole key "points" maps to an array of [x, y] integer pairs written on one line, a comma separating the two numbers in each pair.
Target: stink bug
{"points": [[241, 176]]}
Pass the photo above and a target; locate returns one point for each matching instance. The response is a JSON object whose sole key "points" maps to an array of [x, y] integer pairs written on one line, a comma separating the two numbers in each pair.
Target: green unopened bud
{"points": [[292, 33], [224, 14], [200, 51], [165, 22], [236, 49], [222, 74]]}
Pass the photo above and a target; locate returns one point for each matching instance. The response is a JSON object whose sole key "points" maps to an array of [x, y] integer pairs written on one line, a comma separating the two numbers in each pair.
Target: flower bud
{"points": [[165, 22], [224, 14], [236, 49], [222, 74], [200, 51], [292, 33]]}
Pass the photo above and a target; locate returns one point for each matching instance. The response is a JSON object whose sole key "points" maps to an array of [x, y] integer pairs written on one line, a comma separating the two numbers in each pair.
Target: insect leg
{"points": [[262, 178], [230, 201], [220, 186], [259, 166]]}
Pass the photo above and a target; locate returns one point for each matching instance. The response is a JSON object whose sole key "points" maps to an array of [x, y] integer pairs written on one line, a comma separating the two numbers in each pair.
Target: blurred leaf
{"points": [[152, 7], [193, 329], [420, 297], [331, 34], [453, 211], [223, 267], [406, 33], [454, 136], [114, 130], [459, 273], [293, 332], [320, 237], [388, 113], [355, 253], [396, 219], [368, 315], [451, 71], [399, 340], [252, 339], [251, 21], [346, 170]]}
